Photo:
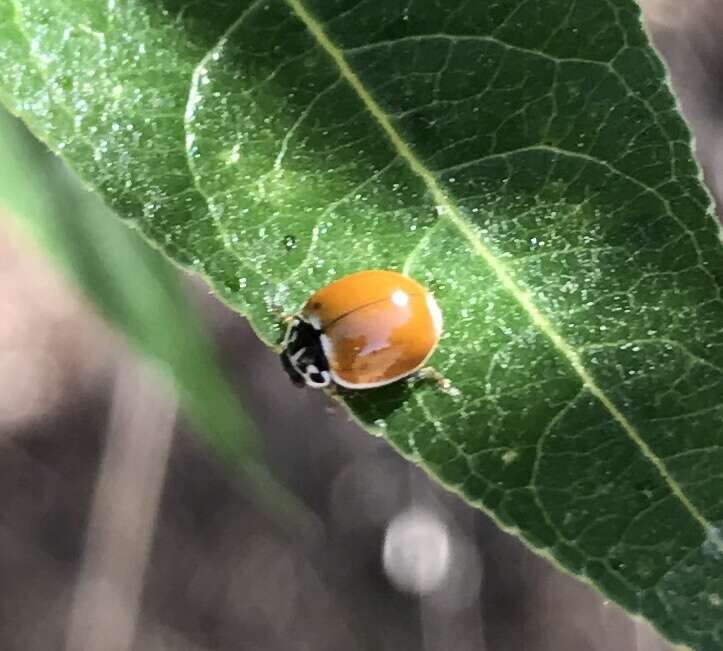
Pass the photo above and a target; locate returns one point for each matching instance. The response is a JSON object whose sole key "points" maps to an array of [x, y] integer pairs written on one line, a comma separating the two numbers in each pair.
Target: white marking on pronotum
{"points": [[314, 321]]}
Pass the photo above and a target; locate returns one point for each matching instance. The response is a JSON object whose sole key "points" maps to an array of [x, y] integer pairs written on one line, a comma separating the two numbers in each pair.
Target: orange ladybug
{"points": [[362, 331]]}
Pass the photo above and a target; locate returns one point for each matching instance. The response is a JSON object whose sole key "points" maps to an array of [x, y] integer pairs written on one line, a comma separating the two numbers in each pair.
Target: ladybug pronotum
{"points": [[362, 331]]}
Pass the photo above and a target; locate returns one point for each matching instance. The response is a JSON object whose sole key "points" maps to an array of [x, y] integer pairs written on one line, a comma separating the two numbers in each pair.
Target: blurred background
{"points": [[122, 529]]}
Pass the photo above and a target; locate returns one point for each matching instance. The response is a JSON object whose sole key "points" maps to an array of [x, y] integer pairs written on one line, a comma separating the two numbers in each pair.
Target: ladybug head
{"points": [[303, 357]]}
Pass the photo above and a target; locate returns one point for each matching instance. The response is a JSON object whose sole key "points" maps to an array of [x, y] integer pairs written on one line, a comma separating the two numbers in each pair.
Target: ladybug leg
{"points": [[331, 392], [429, 373], [283, 322], [280, 314], [282, 318]]}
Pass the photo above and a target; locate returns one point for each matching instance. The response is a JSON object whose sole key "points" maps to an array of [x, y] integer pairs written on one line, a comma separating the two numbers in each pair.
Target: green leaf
{"points": [[524, 160], [133, 286]]}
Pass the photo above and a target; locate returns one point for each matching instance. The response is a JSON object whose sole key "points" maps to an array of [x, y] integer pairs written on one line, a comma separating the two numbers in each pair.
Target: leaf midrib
{"points": [[453, 214]]}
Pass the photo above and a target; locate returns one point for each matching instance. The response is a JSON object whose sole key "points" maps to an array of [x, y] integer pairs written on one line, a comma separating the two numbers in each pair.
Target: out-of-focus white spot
{"points": [[416, 552]]}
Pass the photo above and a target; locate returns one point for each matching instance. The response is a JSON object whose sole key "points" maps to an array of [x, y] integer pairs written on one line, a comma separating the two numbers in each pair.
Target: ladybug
{"points": [[362, 331]]}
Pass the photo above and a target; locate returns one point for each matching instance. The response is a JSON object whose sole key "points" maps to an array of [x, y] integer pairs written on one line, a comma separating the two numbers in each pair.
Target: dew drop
{"points": [[380, 427], [290, 242], [510, 456]]}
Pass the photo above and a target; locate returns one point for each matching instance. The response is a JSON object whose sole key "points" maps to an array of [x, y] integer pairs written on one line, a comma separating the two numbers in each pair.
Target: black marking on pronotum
{"points": [[303, 357]]}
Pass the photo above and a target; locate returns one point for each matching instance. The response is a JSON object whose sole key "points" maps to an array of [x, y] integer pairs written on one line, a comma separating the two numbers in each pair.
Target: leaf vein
{"points": [[468, 231]]}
